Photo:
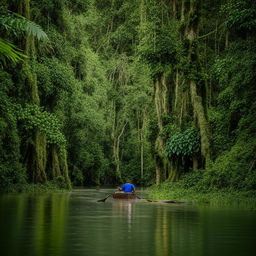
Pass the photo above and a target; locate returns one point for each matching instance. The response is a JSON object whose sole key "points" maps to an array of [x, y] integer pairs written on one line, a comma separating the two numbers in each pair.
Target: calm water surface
{"points": [[75, 224]]}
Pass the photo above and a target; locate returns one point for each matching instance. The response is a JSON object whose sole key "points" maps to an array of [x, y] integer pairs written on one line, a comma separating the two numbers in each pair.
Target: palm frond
{"points": [[17, 24], [35, 30], [10, 51]]}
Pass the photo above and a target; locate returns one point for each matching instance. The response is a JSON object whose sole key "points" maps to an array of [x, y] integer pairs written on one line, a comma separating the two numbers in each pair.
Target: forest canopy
{"points": [[96, 92]]}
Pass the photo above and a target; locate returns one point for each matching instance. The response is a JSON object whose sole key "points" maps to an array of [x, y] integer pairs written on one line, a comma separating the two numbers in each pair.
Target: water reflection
{"points": [[177, 230], [75, 224], [29, 223], [125, 208]]}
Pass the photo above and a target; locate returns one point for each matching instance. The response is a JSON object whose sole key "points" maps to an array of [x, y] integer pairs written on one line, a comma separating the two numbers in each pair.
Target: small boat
{"points": [[119, 195]]}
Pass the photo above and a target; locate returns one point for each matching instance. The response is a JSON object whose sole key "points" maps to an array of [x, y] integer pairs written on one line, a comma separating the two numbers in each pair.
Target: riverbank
{"points": [[50, 186], [229, 197]]}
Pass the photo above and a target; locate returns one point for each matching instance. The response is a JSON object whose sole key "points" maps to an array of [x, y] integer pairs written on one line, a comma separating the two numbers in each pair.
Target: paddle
{"points": [[104, 199]]}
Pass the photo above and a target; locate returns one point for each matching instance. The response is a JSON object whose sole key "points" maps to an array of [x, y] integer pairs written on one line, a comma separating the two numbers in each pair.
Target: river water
{"points": [[75, 224]]}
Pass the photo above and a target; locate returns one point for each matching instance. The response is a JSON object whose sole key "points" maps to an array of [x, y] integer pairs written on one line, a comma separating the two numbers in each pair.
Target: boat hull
{"points": [[124, 196]]}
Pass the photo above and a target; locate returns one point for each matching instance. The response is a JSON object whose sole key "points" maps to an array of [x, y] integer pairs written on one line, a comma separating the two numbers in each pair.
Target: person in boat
{"points": [[128, 187]]}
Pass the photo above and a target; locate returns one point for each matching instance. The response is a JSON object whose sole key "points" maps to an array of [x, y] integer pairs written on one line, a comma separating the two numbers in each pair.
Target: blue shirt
{"points": [[128, 188]]}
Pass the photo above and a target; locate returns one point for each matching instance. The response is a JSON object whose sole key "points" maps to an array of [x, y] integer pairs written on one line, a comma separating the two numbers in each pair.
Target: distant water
{"points": [[75, 224]]}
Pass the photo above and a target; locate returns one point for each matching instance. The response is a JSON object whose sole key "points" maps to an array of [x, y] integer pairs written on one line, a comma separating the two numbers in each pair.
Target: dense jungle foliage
{"points": [[93, 92]]}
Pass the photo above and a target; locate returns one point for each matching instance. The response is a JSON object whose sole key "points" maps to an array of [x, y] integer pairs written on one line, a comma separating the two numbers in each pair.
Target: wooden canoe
{"points": [[124, 195]]}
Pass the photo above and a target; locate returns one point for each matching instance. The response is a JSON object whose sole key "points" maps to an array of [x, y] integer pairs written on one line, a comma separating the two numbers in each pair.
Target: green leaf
{"points": [[17, 24], [10, 51]]}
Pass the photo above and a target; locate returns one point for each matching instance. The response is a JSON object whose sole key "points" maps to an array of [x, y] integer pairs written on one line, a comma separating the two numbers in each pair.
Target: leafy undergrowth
{"points": [[222, 197], [35, 188]]}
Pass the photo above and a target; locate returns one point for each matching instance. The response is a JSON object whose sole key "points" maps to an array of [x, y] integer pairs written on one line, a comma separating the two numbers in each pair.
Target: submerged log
{"points": [[169, 201], [163, 201]]}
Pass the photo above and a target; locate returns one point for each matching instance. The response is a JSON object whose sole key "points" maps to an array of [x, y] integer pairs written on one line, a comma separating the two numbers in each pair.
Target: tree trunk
{"points": [[202, 123], [115, 145], [161, 104], [38, 155], [64, 168], [227, 39], [55, 165], [142, 131], [143, 14], [174, 170], [191, 33], [195, 163], [116, 150], [38, 163], [158, 175], [174, 9]]}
